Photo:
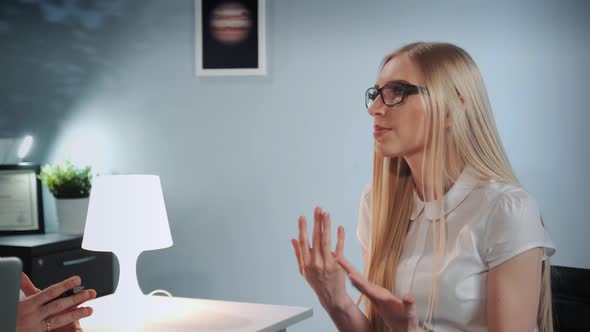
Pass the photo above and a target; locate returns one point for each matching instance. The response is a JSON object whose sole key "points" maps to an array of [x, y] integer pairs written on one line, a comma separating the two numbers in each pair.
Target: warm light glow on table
{"points": [[175, 314]]}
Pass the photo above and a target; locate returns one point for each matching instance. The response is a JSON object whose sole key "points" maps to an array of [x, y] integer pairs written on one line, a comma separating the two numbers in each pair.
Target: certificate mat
{"points": [[20, 200]]}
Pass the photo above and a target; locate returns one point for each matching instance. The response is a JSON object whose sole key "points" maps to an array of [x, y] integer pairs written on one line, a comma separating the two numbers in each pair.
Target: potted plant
{"points": [[71, 188]]}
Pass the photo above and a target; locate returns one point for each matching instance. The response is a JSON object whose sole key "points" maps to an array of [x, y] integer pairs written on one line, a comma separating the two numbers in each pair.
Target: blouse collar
{"points": [[466, 182]]}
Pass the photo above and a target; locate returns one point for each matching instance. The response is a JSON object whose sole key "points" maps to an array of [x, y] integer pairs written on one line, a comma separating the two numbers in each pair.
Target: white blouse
{"points": [[487, 224]]}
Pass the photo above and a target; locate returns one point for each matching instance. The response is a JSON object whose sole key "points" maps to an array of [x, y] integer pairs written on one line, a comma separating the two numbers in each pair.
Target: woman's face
{"points": [[399, 130]]}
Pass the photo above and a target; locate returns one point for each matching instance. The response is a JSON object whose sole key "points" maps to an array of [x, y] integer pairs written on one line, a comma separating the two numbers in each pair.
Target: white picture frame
{"points": [[214, 57]]}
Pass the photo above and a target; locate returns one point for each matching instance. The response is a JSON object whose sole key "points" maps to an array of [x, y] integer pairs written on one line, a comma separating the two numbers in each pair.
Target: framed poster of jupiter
{"points": [[230, 37]]}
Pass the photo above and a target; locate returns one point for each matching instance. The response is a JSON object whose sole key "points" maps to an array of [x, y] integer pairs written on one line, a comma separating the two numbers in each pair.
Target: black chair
{"points": [[571, 299]]}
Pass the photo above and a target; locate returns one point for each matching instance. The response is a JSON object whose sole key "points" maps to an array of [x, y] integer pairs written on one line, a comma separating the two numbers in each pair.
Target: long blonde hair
{"points": [[473, 141]]}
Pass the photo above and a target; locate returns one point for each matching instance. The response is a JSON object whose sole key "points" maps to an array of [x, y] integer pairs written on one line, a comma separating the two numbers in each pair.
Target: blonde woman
{"points": [[450, 240]]}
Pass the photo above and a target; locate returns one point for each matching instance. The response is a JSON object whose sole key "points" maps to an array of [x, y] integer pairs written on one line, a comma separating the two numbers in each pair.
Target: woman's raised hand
{"points": [[318, 265]]}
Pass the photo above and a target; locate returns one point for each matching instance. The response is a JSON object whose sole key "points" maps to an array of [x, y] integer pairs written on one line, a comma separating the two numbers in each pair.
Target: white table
{"points": [[175, 314]]}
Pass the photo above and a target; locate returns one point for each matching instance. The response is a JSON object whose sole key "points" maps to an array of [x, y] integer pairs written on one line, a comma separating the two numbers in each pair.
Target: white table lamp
{"points": [[126, 215]]}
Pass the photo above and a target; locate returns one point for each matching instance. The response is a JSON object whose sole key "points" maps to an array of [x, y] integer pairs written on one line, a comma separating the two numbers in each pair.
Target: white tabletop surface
{"points": [[174, 314]]}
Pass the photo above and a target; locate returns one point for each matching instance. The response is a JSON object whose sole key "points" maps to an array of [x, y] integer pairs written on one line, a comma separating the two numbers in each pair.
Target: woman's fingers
{"points": [[27, 285], [373, 292], [383, 299], [303, 241], [62, 305], [350, 270], [295, 244], [410, 305], [385, 302], [317, 233], [355, 277], [340, 242], [56, 290], [321, 250], [408, 299], [326, 235], [364, 286], [68, 317]]}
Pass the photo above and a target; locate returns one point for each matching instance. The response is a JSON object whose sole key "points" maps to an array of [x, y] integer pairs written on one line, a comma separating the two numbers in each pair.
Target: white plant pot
{"points": [[71, 214]]}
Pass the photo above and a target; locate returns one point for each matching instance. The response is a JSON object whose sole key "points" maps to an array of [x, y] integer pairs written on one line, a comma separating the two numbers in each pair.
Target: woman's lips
{"points": [[380, 131]]}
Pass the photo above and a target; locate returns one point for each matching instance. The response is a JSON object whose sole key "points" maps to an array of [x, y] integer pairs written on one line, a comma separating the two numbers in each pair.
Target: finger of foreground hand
{"points": [[340, 242], [408, 298], [303, 241], [56, 290], [372, 291], [326, 235], [69, 302], [383, 298], [68, 317], [409, 305], [316, 236], [347, 266], [295, 244], [27, 285]]}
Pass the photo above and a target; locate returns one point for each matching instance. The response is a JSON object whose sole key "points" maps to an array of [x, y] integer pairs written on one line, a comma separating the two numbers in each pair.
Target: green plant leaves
{"points": [[67, 181]]}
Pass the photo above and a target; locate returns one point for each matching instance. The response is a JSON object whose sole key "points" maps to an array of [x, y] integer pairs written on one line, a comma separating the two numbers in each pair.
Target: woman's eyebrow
{"points": [[392, 82], [397, 81]]}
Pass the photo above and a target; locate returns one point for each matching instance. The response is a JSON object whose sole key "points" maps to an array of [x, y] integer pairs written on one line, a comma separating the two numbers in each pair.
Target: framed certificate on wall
{"points": [[21, 203]]}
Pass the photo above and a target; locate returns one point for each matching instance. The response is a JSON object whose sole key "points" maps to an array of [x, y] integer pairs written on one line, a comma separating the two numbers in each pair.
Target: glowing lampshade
{"points": [[126, 215]]}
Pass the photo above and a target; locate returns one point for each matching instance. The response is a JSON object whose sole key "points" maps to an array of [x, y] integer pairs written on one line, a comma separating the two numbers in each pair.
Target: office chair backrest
{"points": [[571, 298], [10, 270]]}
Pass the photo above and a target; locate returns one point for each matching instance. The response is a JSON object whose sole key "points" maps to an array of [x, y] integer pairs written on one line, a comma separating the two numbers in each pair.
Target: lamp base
{"points": [[127, 288]]}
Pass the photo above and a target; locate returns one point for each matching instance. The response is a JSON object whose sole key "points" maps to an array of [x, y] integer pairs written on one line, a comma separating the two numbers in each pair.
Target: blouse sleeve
{"points": [[513, 227], [363, 229]]}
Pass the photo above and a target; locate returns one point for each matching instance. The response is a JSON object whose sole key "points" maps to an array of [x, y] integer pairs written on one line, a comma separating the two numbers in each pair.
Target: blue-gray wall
{"points": [[241, 157]]}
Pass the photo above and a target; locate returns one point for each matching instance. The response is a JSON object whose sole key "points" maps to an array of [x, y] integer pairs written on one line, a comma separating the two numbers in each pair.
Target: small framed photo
{"points": [[21, 203], [230, 37]]}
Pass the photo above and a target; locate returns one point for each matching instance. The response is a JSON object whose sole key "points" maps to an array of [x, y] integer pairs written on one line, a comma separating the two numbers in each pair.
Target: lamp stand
{"points": [[128, 287]]}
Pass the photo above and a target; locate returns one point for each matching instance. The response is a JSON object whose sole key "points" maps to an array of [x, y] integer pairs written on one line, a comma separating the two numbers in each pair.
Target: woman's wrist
{"points": [[347, 316], [340, 304]]}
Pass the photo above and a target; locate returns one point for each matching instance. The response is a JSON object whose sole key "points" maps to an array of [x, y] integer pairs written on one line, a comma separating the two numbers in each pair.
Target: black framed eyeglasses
{"points": [[392, 93]]}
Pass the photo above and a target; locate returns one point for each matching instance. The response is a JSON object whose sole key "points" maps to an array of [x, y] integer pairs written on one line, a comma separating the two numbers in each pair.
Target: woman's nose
{"points": [[377, 108]]}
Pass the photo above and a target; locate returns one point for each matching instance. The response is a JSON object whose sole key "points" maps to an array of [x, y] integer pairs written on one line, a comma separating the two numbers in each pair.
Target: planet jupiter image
{"points": [[231, 23]]}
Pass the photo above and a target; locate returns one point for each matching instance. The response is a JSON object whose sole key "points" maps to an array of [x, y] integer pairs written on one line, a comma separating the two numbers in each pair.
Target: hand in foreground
{"points": [[318, 264], [399, 315], [35, 314]]}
